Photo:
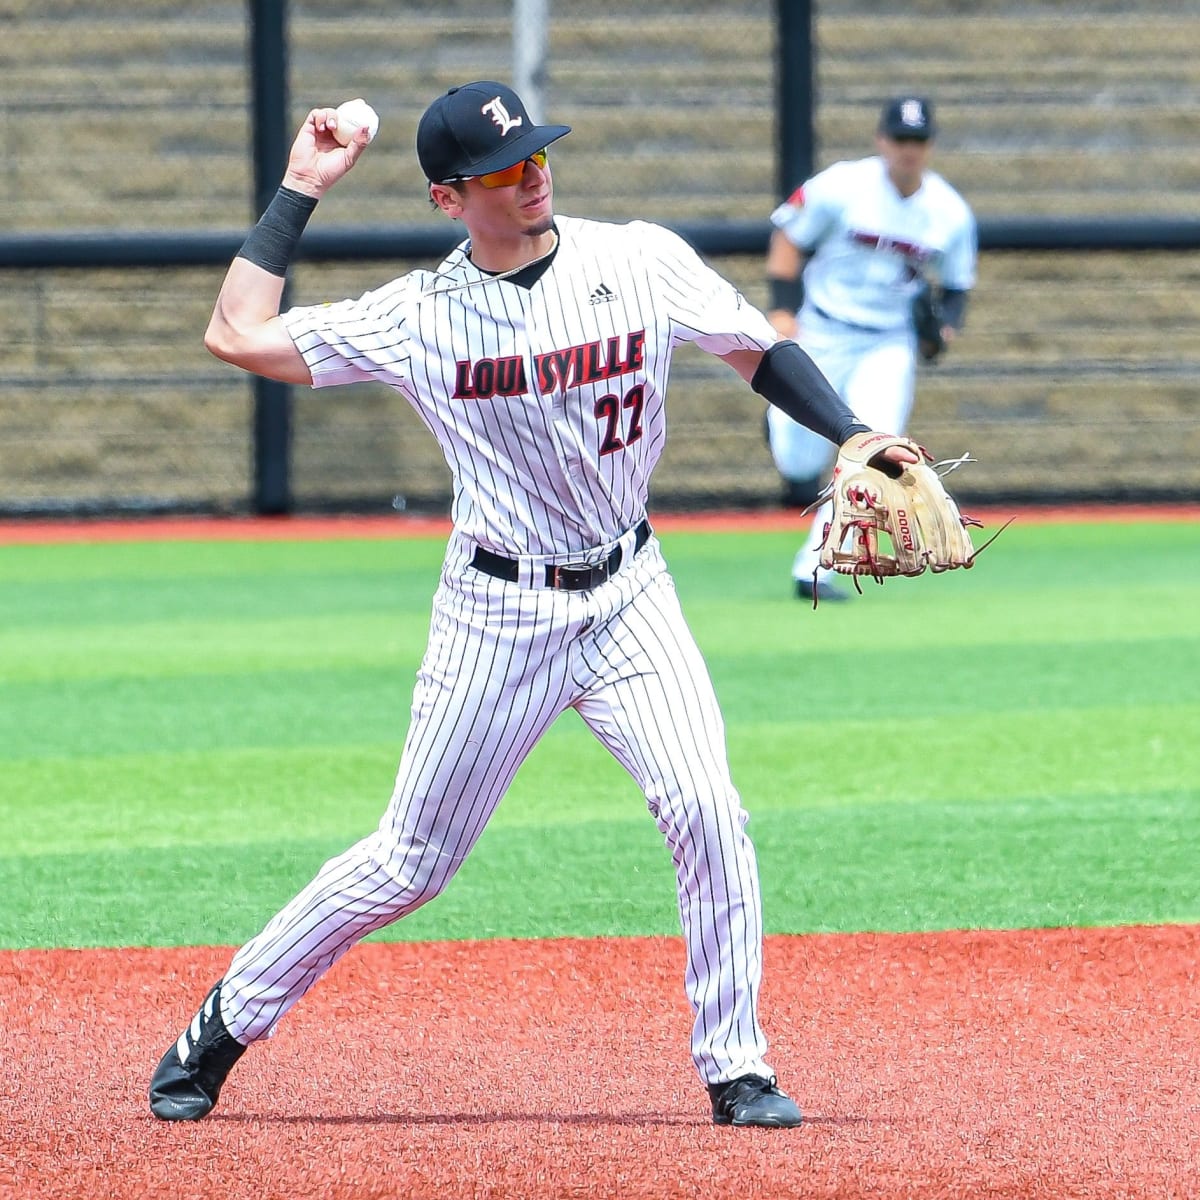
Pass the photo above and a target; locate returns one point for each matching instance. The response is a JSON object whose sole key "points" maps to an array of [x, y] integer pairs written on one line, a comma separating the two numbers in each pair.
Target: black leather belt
{"points": [[567, 577], [848, 324]]}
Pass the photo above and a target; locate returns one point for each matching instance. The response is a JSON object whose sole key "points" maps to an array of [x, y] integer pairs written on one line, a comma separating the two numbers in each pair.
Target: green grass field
{"points": [[188, 729]]}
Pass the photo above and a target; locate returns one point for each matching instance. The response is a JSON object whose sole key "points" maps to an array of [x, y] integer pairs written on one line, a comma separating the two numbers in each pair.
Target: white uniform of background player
{"points": [[866, 233], [538, 355]]}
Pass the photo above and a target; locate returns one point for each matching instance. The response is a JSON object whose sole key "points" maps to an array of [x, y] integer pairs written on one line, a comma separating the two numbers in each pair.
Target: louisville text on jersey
{"points": [[556, 370], [879, 241]]}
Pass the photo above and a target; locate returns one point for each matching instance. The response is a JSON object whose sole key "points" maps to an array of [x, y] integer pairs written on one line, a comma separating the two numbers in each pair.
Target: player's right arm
{"points": [[799, 226], [785, 265], [245, 328]]}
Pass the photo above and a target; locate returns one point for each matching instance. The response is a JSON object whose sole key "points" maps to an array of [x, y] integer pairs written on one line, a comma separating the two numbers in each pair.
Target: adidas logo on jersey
{"points": [[602, 295]]}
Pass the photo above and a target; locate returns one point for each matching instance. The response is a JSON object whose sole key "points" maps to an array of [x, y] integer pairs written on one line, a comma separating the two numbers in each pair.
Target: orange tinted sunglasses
{"points": [[510, 175]]}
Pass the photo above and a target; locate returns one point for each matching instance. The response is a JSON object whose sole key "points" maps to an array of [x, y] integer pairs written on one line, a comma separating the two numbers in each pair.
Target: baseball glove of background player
{"points": [[889, 520], [927, 322]]}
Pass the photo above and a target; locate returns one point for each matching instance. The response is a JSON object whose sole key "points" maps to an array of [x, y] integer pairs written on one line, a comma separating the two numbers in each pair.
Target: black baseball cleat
{"points": [[753, 1100], [821, 590], [186, 1083]]}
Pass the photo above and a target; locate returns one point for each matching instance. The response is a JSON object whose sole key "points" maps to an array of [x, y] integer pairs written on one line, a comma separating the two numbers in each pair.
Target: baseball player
{"points": [[538, 355], [850, 250]]}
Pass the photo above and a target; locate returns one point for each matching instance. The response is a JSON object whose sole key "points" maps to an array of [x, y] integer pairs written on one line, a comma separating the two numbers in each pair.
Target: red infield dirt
{"points": [[1053, 1063], [308, 528]]}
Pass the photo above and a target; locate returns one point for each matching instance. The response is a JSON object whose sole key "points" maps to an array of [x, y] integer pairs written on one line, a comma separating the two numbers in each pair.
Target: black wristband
{"points": [[791, 381], [272, 242], [954, 307], [787, 294]]}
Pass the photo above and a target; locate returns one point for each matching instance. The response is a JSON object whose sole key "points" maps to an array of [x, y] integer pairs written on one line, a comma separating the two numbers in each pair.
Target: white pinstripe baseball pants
{"points": [[503, 662]]}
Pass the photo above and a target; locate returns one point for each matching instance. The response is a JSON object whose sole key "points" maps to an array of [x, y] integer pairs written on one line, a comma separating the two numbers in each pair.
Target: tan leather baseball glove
{"points": [[889, 520]]}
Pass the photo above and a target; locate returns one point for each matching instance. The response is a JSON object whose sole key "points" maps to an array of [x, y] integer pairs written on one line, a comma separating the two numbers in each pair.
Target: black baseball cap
{"points": [[477, 128], [908, 117]]}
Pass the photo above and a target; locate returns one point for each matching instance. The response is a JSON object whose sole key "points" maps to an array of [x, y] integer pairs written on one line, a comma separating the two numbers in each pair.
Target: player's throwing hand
{"points": [[317, 160]]}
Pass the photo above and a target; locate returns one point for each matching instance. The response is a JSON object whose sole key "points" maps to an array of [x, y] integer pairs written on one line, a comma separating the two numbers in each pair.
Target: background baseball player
{"points": [[538, 355], [850, 251]]}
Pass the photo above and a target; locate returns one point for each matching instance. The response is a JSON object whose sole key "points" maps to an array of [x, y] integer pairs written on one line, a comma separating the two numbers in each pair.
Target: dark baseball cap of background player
{"points": [[907, 119], [476, 129]]}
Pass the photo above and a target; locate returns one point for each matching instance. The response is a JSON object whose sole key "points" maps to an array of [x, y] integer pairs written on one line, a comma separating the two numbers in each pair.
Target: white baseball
{"points": [[352, 115]]}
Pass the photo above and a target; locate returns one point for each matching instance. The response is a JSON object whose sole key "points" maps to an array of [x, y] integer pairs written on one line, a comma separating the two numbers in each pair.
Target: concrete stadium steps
{"points": [[1068, 361], [162, 192], [1104, 460], [1026, 129], [1028, 310], [134, 407], [1028, 435], [365, 442], [1015, 126], [101, 324], [1072, 183], [1076, 370], [1038, 309], [131, 441], [136, 441], [407, 59], [1062, 36], [1055, 54], [177, 62], [1136, 310]]}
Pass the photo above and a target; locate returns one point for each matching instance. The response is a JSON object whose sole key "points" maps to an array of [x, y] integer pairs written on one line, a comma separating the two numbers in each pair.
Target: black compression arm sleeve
{"points": [[791, 381]]}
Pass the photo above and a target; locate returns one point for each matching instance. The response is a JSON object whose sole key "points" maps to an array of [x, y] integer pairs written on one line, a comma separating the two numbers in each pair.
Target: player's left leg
{"points": [[648, 697], [802, 457], [495, 675], [879, 391]]}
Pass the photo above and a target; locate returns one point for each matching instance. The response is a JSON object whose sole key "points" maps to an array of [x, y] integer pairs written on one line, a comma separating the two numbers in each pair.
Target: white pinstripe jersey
{"points": [[870, 245], [547, 401]]}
